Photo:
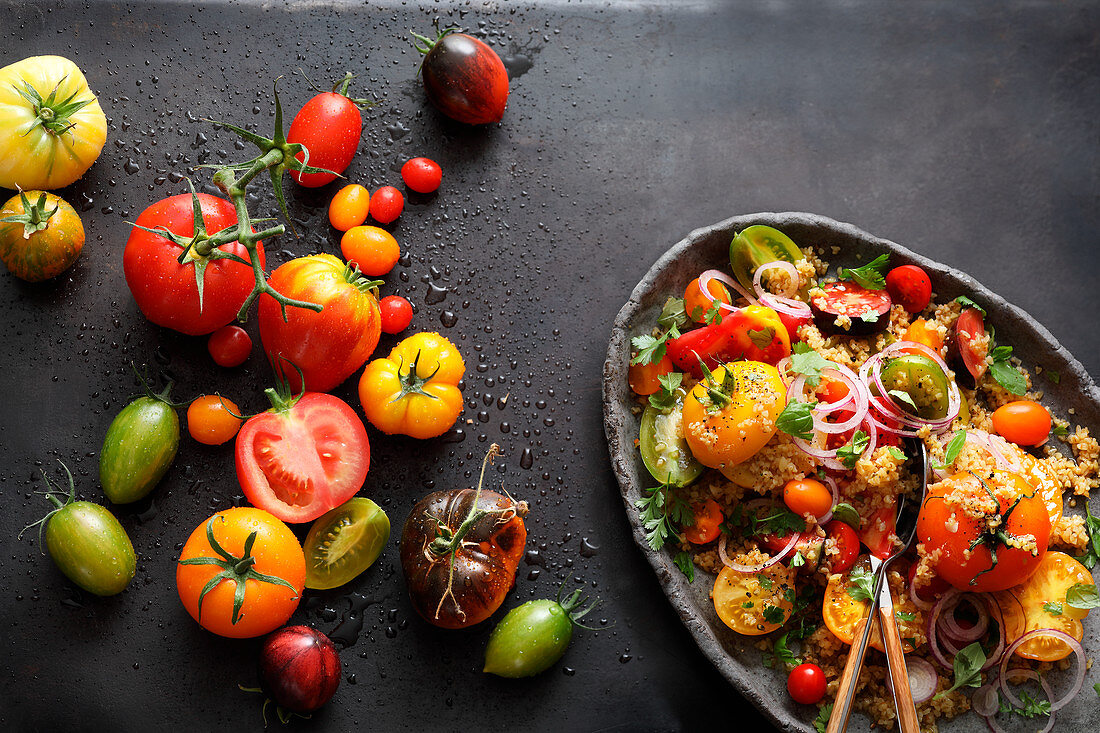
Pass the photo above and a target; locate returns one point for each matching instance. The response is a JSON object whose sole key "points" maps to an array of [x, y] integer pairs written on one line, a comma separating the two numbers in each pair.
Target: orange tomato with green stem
{"points": [[41, 235]]}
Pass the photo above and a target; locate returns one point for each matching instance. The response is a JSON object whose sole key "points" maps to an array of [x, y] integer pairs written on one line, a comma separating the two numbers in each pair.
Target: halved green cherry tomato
{"points": [[140, 446], [344, 542], [1022, 422], [759, 245], [921, 379], [87, 543], [663, 448]]}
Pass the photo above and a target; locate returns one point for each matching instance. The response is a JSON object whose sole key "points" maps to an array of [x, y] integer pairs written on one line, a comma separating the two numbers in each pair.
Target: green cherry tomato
{"points": [[758, 245], [529, 639], [141, 444], [664, 451], [924, 382], [344, 542], [88, 544]]}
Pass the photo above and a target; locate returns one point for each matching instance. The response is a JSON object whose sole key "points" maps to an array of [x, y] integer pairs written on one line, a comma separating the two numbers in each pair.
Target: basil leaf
{"points": [[797, 419]]}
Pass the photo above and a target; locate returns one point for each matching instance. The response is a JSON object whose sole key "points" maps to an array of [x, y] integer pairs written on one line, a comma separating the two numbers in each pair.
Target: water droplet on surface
{"points": [[435, 294], [526, 460]]}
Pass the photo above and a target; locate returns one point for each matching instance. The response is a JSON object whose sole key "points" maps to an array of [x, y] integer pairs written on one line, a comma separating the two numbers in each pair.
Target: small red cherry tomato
{"points": [[1022, 422], [910, 286], [397, 313], [806, 684], [707, 523], [329, 126], [229, 346], [847, 543], [422, 175], [349, 207], [386, 204]]}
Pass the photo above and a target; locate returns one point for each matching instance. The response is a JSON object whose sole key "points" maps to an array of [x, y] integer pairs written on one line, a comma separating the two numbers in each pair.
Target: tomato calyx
{"points": [[993, 533], [35, 217], [573, 605], [340, 86], [430, 43], [57, 503], [719, 395], [354, 276], [413, 383], [52, 113], [448, 542], [235, 569]]}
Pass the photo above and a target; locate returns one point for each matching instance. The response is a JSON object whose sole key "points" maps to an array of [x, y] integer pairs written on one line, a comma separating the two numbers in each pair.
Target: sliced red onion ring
{"points": [[933, 619], [1073, 644], [824, 518], [784, 303], [984, 701], [950, 625], [1025, 675], [708, 276], [923, 679], [870, 373], [753, 569], [917, 600]]}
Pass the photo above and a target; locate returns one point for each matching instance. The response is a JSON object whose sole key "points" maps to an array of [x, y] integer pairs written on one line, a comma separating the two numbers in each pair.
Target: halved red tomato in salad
{"points": [[303, 457]]}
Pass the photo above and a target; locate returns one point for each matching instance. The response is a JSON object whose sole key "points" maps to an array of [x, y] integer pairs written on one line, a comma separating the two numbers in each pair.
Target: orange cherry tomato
{"points": [[211, 421], [707, 524], [832, 390], [696, 304], [920, 332], [1022, 422], [643, 377], [807, 496], [372, 249], [349, 207]]}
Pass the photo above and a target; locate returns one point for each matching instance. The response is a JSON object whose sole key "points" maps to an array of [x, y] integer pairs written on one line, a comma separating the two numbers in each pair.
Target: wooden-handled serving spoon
{"points": [[906, 530]]}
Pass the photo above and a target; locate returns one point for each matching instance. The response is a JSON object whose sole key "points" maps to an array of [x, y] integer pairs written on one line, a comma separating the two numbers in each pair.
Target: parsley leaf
{"points": [[797, 419], [849, 454], [713, 315], [781, 653], [1001, 370], [894, 451], [1032, 707], [861, 584], [774, 615], [798, 561], [904, 398], [784, 522], [821, 722], [1083, 596], [870, 275], [687, 566], [1053, 376], [805, 360], [652, 348], [763, 337], [661, 511], [665, 398], [765, 582], [1097, 688], [673, 314], [968, 668], [1060, 431], [953, 449], [968, 303], [1054, 609], [1092, 549], [904, 615]]}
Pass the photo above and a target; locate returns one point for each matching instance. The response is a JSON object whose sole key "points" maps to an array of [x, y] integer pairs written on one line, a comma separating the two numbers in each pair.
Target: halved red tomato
{"points": [[303, 457]]}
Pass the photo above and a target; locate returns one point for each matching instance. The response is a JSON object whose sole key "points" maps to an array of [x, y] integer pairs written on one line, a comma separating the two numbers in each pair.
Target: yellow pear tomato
{"points": [[51, 125], [731, 413]]}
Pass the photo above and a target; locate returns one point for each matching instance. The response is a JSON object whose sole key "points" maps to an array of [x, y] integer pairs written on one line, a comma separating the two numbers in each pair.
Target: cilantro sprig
{"points": [[663, 512], [871, 276], [652, 348], [781, 654], [861, 584], [805, 360]]}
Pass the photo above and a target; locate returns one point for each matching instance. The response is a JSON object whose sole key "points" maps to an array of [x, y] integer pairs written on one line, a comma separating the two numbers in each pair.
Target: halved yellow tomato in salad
{"points": [[1040, 603], [757, 603]]}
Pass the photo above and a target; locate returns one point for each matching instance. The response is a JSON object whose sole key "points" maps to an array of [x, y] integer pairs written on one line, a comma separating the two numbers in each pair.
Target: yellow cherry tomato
{"points": [[414, 391], [731, 414], [349, 207], [1028, 606], [754, 604], [41, 236], [51, 125], [372, 249], [211, 421]]}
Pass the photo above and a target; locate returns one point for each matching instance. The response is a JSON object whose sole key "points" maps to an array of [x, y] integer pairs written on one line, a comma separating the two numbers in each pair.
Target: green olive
{"points": [[923, 381]]}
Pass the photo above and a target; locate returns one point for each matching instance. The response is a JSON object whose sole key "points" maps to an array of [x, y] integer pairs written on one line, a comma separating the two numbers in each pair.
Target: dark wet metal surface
{"points": [[969, 134]]}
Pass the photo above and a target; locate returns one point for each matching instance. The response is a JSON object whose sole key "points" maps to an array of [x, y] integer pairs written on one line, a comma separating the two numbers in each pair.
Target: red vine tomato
{"points": [[166, 291], [329, 125]]}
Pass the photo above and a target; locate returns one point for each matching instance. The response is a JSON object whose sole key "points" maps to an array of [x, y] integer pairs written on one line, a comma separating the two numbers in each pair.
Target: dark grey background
{"points": [[967, 132]]}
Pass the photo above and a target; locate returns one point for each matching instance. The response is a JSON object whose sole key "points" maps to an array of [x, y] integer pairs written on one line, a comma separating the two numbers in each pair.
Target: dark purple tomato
{"points": [[464, 78], [299, 668], [866, 311]]}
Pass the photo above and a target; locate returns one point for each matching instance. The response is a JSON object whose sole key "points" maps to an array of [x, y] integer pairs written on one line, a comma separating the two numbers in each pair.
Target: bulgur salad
{"points": [[775, 402]]}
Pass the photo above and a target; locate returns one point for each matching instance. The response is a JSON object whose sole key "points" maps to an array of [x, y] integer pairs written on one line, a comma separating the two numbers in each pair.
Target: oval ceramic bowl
{"points": [[735, 656]]}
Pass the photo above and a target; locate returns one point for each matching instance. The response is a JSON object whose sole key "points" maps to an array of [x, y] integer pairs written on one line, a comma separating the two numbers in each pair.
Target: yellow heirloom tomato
{"points": [[40, 235], [51, 125], [731, 413], [414, 391]]}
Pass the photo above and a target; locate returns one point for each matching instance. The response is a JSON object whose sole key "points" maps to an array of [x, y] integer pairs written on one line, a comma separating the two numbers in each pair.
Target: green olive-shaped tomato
{"points": [[529, 639], [758, 245], [141, 444], [923, 381], [88, 544], [344, 542]]}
